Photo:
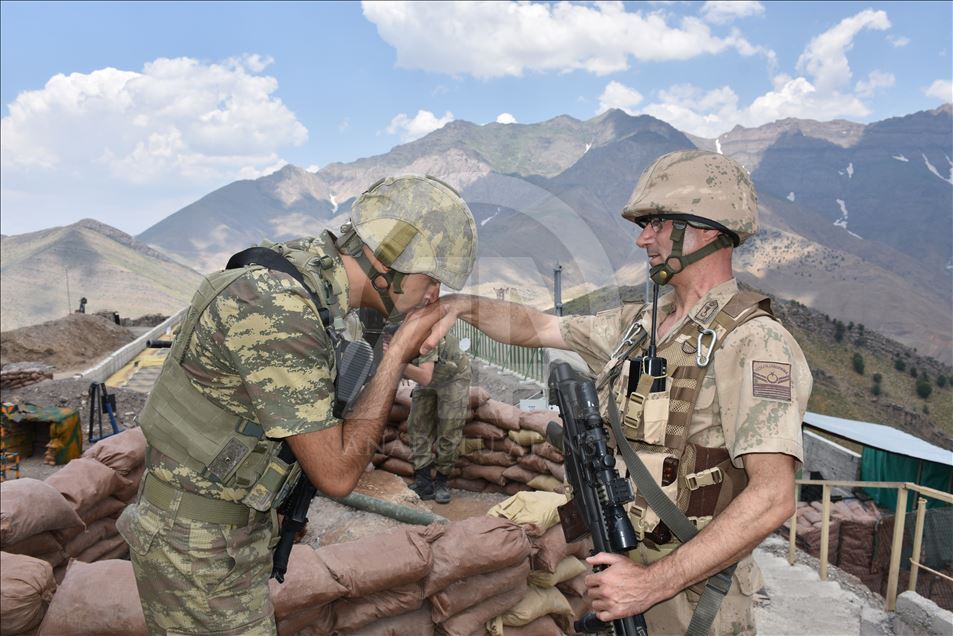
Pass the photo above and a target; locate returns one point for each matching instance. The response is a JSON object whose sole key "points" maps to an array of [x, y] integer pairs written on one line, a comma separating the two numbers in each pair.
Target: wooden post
{"points": [[792, 536], [917, 543], [890, 603], [825, 528]]}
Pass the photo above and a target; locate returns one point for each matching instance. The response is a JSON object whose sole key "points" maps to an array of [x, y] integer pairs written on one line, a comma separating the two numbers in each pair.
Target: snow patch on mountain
{"points": [[490, 218], [718, 146], [842, 222], [933, 169], [901, 158], [334, 203], [790, 196]]}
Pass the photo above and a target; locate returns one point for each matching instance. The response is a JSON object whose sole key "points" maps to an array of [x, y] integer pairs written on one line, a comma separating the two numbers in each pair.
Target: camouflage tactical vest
{"points": [[701, 480], [178, 421]]}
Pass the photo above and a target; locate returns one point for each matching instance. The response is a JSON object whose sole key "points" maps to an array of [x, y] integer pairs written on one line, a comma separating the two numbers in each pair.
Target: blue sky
{"points": [[126, 112]]}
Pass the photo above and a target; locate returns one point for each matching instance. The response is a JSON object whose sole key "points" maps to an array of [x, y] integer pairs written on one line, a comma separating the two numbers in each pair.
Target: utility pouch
{"points": [[273, 485]]}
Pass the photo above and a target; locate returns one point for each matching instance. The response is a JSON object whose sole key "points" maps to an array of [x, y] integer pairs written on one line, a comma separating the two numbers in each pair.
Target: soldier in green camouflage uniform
{"points": [[254, 365], [723, 439], [437, 414]]}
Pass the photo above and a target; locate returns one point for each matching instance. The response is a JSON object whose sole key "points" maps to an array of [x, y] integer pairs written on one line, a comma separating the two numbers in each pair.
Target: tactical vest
{"points": [[450, 359], [181, 423], [701, 480]]}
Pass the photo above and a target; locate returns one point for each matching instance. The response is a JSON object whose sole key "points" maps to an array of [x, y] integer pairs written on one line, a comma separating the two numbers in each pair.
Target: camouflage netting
{"points": [[504, 450]]}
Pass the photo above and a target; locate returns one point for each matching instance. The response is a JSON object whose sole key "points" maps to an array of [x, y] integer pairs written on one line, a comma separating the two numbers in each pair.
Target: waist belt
{"points": [[192, 506]]}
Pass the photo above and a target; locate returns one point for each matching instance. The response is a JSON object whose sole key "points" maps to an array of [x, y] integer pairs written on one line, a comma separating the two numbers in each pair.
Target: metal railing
{"points": [[893, 572], [525, 361]]}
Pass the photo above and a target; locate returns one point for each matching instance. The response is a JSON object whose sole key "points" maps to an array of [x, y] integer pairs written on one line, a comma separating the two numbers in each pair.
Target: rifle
{"points": [[599, 493]]}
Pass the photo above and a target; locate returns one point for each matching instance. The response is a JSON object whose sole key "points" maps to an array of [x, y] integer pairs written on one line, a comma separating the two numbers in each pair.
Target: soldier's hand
{"points": [[415, 329], [622, 589], [443, 326]]}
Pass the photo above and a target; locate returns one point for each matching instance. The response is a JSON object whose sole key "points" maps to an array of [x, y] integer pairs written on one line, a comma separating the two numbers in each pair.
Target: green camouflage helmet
{"points": [[698, 187], [418, 225]]}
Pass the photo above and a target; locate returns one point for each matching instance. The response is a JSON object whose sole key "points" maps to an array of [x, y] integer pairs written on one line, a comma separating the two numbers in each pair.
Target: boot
{"points": [[441, 492], [423, 485]]}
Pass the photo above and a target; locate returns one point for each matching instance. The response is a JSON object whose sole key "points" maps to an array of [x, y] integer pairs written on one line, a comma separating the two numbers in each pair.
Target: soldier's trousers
{"points": [[196, 577], [435, 424]]}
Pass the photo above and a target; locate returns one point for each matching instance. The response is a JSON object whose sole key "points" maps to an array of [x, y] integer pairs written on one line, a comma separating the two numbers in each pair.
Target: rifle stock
{"points": [[599, 493]]}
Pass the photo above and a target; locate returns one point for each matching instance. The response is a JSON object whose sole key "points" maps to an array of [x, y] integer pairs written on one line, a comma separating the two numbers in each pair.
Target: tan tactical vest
{"points": [[701, 480], [184, 425]]}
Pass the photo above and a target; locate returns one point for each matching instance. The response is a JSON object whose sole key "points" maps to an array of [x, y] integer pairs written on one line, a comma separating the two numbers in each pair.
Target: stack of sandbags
{"points": [[18, 374], [555, 593], [503, 449], [858, 518], [96, 599], [32, 514], [405, 581], [26, 589]]}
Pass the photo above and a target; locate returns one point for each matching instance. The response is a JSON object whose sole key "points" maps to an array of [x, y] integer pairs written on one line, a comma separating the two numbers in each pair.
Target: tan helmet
{"points": [[698, 187], [418, 225]]}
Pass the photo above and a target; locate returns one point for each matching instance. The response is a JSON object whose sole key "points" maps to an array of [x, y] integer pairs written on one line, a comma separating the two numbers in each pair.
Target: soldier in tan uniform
{"points": [[252, 373], [723, 438]]}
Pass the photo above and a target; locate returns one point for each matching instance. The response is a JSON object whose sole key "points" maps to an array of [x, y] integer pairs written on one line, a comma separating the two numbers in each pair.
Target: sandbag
{"points": [[568, 568], [491, 458], [356, 613], [94, 533], [29, 507], [478, 396], [416, 623], [542, 626], [84, 482], [506, 445], [108, 507], [398, 412], [539, 602], [473, 619], [398, 449], [316, 621], [515, 487], [526, 438], [520, 474], [556, 470], [128, 493], [547, 483], [539, 420], [471, 485], [393, 558], [98, 552], [548, 451], [475, 546], [535, 463], [121, 551], [37, 544], [550, 549], [537, 508], [506, 416], [26, 588], [483, 430], [98, 599], [54, 557], [308, 583], [581, 605], [469, 445], [471, 590], [576, 586], [398, 467], [492, 474], [123, 452]]}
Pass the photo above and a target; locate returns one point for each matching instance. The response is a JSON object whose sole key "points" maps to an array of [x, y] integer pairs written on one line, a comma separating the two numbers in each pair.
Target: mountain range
{"points": [[857, 219]]}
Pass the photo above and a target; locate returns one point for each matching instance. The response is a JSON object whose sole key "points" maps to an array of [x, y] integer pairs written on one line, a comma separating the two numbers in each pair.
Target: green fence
{"points": [[524, 361]]}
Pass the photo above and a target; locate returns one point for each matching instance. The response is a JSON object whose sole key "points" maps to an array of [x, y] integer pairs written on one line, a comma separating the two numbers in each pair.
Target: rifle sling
{"points": [[718, 585]]}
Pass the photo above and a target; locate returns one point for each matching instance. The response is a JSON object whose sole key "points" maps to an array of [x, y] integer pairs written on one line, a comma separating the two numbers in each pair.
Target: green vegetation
{"points": [[941, 380], [899, 364], [858, 362], [838, 331], [924, 388]]}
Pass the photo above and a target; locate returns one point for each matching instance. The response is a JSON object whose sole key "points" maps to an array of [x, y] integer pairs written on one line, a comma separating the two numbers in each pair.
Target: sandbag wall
{"points": [[503, 449], [71, 516]]}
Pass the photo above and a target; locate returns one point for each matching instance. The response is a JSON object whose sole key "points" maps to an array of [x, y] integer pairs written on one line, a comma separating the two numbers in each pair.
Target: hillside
{"points": [[113, 271], [839, 390]]}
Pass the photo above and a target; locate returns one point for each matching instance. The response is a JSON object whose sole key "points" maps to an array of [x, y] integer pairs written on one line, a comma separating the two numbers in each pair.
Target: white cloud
{"points": [[422, 123], [941, 89], [618, 95], [112, 138], [825, 58], [493, 39], [898, 41], [725, 11], [874, 82], [505, 118]]}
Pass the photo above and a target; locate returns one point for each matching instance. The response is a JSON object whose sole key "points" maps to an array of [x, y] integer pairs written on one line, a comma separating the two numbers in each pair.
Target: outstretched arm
{"points": [[506, 322]]}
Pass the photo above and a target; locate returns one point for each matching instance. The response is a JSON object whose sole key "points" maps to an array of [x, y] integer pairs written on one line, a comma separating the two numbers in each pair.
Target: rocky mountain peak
{"points": [[291, 184]]}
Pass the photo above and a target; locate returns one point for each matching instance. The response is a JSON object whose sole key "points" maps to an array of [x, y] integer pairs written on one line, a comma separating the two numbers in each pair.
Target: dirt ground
{"points": [[73, 343]]}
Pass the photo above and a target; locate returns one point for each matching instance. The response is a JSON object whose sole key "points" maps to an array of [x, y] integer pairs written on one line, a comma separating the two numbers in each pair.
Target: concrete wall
{"points": [[830, 459], [121, 357]]}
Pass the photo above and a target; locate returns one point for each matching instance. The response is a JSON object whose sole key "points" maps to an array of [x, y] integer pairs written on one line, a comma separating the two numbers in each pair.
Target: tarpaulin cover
{"points": [[881, 465]]}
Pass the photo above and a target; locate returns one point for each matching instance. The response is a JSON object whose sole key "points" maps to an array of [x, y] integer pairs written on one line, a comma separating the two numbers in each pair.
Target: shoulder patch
{"points": [[771, 380], [707, 311]]}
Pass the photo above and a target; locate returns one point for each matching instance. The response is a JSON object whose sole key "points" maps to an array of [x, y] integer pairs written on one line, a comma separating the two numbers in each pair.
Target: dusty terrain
{"points": [[72, 343]]}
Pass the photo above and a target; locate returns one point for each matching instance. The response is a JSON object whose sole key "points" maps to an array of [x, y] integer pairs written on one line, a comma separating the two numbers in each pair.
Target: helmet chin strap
{"points": [[352, 245], [662, 274]]}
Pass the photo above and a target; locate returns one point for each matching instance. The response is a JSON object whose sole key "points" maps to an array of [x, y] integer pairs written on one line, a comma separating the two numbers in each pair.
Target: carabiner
{"points": [[703, 357]]}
